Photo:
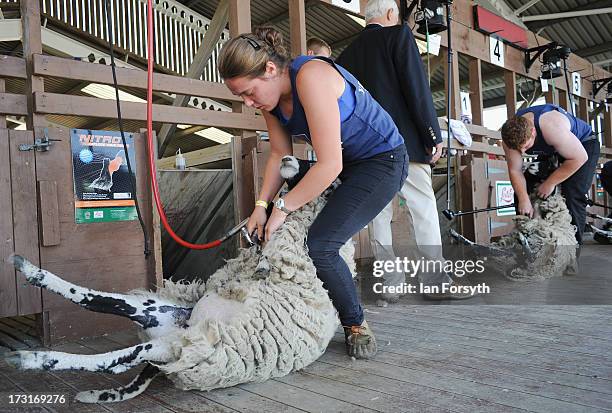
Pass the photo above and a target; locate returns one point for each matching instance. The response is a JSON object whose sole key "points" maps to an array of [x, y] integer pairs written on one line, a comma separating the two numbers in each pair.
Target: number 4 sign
{"points": [[576, 83], [496, 50]]}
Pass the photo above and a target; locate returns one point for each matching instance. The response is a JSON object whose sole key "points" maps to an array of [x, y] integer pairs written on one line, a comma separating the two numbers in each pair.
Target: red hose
{"points": [[150, 147]]}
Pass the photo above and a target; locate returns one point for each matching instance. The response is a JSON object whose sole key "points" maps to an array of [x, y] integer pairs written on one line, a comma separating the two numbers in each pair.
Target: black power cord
{"points": [[569, 90], [107, 11]]}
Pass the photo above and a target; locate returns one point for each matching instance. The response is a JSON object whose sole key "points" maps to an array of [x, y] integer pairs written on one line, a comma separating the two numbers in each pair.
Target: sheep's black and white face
{"points": [[293, 170], [289, 167]]}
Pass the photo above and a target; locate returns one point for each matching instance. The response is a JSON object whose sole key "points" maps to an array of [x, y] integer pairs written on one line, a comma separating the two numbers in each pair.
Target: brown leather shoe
{"points": [[360, 341]]}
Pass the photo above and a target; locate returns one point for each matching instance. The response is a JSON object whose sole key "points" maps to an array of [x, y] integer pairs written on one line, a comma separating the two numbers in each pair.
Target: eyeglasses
{"points": [[252, 42]]}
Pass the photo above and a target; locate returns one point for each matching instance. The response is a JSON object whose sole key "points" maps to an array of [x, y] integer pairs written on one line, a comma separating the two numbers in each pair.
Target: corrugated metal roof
{"points": [[587, 33], [582, 34]]}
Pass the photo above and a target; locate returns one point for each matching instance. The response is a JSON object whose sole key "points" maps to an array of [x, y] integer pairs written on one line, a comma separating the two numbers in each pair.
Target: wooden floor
{"points": [[432, 358]]}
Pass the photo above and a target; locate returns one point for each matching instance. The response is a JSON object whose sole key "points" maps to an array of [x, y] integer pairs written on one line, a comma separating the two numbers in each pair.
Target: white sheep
{"points": [[237, 327], [538, 248]]}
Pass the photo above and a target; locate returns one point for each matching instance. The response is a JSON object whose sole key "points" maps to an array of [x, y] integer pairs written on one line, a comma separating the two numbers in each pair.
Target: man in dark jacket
{"points": [[386, 60]]}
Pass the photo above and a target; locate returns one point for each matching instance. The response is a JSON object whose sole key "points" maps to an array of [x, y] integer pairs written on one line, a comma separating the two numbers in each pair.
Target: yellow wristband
{"points": [[261, 203]]}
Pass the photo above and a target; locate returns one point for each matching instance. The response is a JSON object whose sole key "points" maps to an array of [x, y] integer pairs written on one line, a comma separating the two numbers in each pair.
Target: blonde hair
{"points": [[315, 44], [248, 53]]}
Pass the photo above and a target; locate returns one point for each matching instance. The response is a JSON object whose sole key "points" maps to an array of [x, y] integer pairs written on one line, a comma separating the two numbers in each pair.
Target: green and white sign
{"points": [[504, 194]]}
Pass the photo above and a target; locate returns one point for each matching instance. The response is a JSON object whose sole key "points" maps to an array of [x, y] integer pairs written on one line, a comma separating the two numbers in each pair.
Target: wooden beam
{"points": [[583, 109], [607, 128], [551, 95], [199, 157], [57, 104], [13, 104], [11, 66], [510, 84], [475, 75], [475, 130], [96, 73], [32, 44], [189, 131], [2, 117], [239, 17], [240, 22], [297, 27], [211, 37], [564, 101]]}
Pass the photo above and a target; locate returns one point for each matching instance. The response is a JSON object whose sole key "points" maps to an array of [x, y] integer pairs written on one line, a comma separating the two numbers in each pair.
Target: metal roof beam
{"points": [[566, 15], [525, 7], [535, 26], [594, 50]]}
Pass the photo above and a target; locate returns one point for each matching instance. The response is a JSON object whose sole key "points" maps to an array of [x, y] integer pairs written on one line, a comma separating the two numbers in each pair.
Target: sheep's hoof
{"points": [[16, 260], [14, 359]]}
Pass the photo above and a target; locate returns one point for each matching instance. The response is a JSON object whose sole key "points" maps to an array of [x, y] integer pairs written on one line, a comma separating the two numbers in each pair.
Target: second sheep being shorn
{"points": [[538, 248], [237, 327]]}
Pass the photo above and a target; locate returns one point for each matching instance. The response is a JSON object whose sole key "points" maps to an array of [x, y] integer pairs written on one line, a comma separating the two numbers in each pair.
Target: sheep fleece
{"points": [[249, 329]]}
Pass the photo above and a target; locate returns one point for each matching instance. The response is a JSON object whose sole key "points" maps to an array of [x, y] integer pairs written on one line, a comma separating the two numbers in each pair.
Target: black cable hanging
{"points": [[569, 90], [107, 11], [448, 101]]}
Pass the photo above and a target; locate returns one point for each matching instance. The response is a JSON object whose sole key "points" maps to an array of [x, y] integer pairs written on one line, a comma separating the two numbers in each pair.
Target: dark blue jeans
{"points": [[368, 185], [575, 188]]}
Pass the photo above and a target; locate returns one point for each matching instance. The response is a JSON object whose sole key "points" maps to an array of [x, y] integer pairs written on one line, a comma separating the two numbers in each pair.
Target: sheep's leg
{"points": [[129, 391], [114, 362], [148, 312]]}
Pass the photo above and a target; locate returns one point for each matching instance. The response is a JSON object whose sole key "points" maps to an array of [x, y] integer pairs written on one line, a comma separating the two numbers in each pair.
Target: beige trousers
{"points": [[417, 192]]}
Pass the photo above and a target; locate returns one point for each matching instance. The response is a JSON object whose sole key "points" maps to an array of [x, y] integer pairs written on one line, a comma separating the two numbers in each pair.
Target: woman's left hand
{"points": [[274, 222]]}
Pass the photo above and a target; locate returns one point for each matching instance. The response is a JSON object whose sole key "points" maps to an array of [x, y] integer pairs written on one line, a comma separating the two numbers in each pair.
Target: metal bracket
{"points": [[40, 144]]}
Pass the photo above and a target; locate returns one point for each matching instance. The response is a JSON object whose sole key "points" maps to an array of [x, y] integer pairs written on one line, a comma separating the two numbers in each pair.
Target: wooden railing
{"points": [[63, 104]]}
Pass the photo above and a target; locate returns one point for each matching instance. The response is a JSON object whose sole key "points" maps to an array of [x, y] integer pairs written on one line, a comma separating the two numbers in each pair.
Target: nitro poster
{"points": [[102, 185]]}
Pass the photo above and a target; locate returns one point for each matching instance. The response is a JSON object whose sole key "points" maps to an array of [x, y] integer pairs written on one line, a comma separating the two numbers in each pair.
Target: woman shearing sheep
{"points": [[355, 140]]}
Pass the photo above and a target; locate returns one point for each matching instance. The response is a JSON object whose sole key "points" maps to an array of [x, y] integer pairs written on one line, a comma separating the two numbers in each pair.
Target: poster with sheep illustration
{"points": [[102, 184]]}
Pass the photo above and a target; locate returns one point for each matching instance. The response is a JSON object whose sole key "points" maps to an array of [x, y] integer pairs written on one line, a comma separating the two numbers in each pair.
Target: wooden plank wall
{"points": [[89, 254], [199, 205]]}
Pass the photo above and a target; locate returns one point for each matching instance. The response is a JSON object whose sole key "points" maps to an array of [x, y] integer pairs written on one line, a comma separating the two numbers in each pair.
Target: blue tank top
{"points": [[366, 129], [578, 127]]}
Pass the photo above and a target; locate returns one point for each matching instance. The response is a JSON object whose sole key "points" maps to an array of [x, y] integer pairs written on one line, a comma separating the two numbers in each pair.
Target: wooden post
{"points": [[200, 60], [2, 117], [607, 128], [32, 44], [297, 27], [362, 6], [475, 75], [583, 109], [550, 96], [239, 17], [455, 95], [240, 22], [510, 82], [564, 100]]}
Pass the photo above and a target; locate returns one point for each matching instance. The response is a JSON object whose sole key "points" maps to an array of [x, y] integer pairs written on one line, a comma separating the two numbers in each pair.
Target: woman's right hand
{"points": [[525, 208], [257, 221]]}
